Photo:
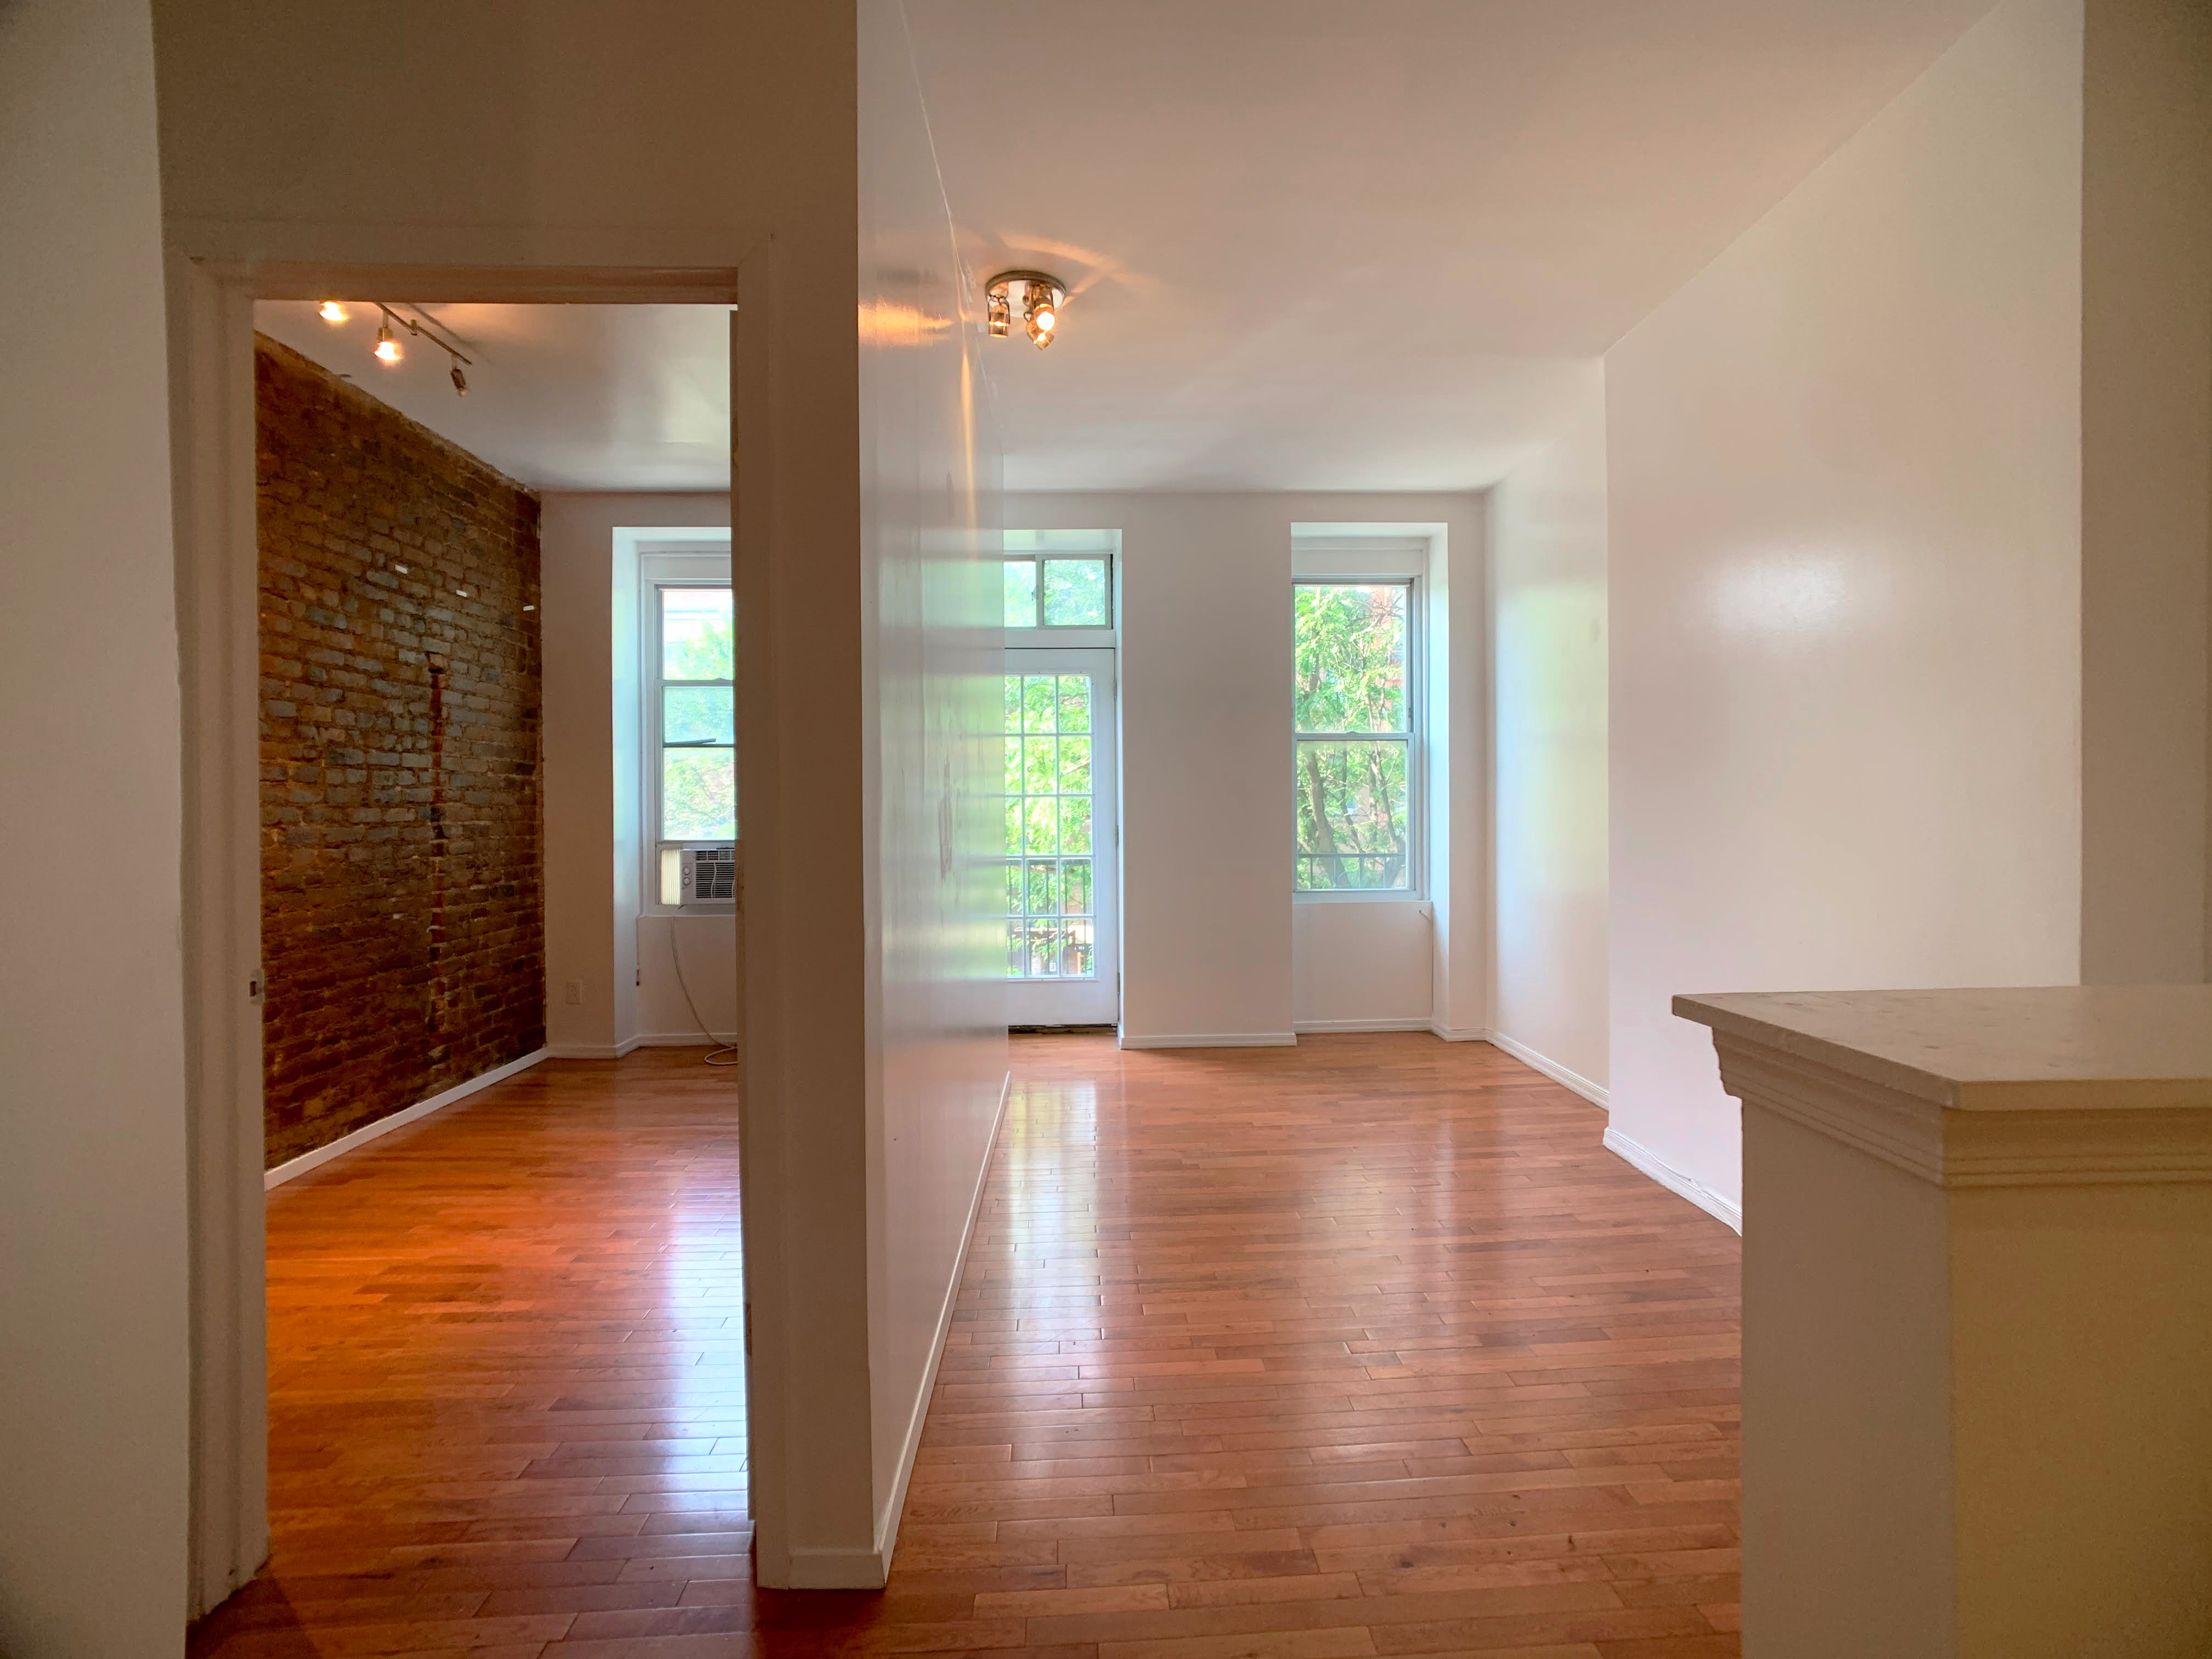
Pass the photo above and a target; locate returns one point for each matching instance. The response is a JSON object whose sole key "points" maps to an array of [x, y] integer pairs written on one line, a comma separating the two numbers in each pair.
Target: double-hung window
{"points": [[691, 715], [1355, 708]]}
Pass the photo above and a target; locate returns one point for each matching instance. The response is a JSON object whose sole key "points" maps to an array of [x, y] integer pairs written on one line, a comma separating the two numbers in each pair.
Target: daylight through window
{"points": [[1354, 712], [1053, 592], [698, 775], [1051, 918]]}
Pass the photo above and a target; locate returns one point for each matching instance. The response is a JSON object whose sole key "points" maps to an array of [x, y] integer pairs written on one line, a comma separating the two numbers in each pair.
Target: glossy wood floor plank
{"points": [[1362, 1347]]}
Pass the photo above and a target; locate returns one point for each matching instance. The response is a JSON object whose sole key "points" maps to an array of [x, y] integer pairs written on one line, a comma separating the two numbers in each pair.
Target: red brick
{"points": [[402, 853]]}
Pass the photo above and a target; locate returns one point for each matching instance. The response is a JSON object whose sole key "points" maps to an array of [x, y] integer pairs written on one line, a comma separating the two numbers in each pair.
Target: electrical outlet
{"points": [[575, 992]]}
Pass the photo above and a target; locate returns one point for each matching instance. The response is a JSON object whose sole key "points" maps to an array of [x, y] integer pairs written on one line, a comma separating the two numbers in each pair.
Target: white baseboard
{"points": [[1405, 1023], [1644, 1159], [385, 1126], [827, 1569], [1457, 1033], [887, 1522], [1209, 1040], [675, 1040], [1596, 1093], [590, 1050]]}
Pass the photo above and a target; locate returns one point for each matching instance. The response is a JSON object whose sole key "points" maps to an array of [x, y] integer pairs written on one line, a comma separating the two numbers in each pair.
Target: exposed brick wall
{"points": [[402, 864]]}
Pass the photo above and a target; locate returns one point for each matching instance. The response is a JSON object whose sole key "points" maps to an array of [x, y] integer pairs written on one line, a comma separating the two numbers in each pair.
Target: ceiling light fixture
{"points": [[421, 328], [330, 312], [1043, 296]]}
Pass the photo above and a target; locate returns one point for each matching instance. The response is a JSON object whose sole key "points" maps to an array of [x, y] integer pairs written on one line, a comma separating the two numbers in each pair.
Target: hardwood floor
{"points": [[1362, 1347]]}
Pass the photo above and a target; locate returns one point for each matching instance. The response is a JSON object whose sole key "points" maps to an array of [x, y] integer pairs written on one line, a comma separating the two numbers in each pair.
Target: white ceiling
{"points": [[560, 396], [1329, 245], [1314, 244]]}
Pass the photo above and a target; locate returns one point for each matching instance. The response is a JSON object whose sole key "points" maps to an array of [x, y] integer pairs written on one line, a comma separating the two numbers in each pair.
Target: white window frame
{"points": [[1371, 562], [658, 570], [1020, 546]]}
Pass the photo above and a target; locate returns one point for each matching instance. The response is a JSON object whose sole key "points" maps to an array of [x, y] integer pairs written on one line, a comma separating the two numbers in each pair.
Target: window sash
{"points": [[1408, 735], [1038, 562], [657, 687]]}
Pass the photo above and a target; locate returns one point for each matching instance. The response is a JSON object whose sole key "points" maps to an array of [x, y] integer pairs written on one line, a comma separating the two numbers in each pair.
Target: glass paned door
{"points": [[1060, 851]]}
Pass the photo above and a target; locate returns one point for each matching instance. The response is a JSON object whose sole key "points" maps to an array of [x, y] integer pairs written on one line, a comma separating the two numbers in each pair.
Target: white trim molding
{"points": [[1596, 1093], [1209, 1040], [590, 1050], [887, 1522], [399, 1120], [1643, 1159], [1403, 1022], [814, 1567], [1457, 1033]]}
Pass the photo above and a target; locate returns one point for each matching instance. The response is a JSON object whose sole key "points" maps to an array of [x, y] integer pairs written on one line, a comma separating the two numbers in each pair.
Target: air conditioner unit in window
{"points": [[705, 875]]}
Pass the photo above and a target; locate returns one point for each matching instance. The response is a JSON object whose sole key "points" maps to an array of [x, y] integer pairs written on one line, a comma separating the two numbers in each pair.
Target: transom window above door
{"points": [[1057, 591], [1058, 586]]}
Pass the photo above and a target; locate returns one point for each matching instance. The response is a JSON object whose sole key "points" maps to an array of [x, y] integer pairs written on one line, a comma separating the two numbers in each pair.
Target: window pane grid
{"points": [[697, 663], [1353, 715], [1051, 922]]}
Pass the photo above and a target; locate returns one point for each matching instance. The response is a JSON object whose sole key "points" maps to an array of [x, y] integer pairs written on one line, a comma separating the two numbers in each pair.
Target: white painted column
{"points": [[1978, 1320]]}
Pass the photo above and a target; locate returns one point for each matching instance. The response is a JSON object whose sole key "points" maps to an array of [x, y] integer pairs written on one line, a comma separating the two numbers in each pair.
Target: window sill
{"points": [[1356, 896]]}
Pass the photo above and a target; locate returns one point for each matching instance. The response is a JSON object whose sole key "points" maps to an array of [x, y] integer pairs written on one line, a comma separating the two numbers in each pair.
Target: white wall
{"points": [[524, 132], [934, 653], [1844, 529], [2147, 490], [1362, 966], [1211, 948], [868, 664], [708, 969], [94, 1387], [536, 136], [1548, 700], [593, 932]]}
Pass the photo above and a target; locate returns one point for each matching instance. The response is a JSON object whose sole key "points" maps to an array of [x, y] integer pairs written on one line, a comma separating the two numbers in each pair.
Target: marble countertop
{"points": [[2057, 1048]]}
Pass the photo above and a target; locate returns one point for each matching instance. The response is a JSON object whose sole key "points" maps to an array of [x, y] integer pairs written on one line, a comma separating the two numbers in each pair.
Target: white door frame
{"points": [[213, 469], [1029, 1000]]}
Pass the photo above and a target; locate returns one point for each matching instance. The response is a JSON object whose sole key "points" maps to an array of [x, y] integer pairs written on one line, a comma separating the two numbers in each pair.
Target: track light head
{"points": [[330, 311], [387, 348], [461, 380]]}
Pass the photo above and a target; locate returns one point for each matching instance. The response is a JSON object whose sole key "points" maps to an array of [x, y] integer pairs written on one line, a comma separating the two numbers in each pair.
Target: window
{"points": [[1051, 920], [1355, 711], [1046, 591], [693, 711]]}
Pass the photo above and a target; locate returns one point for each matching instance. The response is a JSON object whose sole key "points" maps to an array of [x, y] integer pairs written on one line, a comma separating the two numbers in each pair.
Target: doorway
{"points": [[220, 601], [1063, 837]]}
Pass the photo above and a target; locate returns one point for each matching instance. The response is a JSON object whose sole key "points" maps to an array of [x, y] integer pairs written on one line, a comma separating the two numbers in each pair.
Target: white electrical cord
{"points": [[676, 954]]}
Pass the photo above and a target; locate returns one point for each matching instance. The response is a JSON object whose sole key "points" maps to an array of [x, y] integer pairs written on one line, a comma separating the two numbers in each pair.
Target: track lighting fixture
{"points": [[418, 327], [330, 311], [1043, 296]]}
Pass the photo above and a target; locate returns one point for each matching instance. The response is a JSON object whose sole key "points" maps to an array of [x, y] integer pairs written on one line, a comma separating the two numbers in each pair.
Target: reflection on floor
{"points": [[1366, 1347], [506, 1369]]}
